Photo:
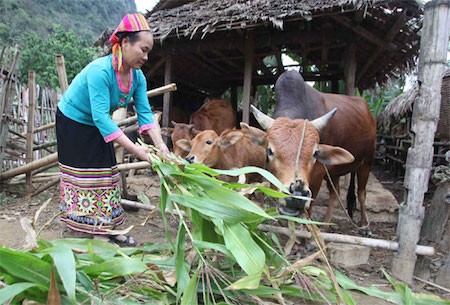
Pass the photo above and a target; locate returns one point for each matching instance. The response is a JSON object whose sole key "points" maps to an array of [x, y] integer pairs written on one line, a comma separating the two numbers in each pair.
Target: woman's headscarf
{"points": [[129, 23]]}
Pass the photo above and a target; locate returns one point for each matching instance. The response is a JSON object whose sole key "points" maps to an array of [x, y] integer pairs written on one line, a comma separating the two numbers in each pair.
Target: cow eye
{"points": [[269, 152], [209, 142]]}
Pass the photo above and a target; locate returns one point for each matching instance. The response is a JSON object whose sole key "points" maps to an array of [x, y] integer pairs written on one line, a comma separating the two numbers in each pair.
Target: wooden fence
{"points": [[16, 128], [28, 140]]}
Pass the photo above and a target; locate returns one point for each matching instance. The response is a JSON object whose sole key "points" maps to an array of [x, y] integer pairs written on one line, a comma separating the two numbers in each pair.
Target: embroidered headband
{"points": [[129, 23]]}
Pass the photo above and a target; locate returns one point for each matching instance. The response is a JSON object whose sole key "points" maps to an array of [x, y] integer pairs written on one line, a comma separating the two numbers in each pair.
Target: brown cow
{"points": [[216, 114], [232, 149], [353, 128]]}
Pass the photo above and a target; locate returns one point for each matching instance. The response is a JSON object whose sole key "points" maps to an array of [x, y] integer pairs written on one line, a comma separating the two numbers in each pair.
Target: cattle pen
{"points": [[27, 141]]}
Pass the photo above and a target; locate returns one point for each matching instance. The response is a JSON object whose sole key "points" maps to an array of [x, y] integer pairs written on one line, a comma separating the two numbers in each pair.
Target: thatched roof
{"points": [[206, 40], [402, 105], [398, 107], [186, 18]]}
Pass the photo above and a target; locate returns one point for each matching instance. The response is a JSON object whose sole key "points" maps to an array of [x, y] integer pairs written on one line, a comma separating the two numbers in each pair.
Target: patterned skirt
{"points": [[90, 180]]}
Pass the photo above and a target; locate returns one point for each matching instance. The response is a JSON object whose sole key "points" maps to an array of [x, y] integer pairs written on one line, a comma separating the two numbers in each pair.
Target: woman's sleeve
{"points": [[144, 112], [98, 85]]}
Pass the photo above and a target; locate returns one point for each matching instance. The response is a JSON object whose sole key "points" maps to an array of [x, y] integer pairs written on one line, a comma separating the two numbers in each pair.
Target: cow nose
{"points": [[190, 159], [298, 188]]}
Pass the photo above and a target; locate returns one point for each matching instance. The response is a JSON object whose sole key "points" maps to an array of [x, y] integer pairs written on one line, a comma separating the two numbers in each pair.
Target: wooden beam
{"points": [[388, 38], [366, 34], [212, 65], [225, 59], [248, 71]]}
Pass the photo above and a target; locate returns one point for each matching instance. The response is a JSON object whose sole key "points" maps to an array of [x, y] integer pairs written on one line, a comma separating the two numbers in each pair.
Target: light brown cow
{"points": [[353, 128], [232, 149], [293, 147], [216, 114]]}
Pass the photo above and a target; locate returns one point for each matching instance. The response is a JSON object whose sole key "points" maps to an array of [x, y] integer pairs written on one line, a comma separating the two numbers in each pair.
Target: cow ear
{"points": [[184, 144], [195, 132], [257, 135], [166, 131], [333, 155], [231, 138]]}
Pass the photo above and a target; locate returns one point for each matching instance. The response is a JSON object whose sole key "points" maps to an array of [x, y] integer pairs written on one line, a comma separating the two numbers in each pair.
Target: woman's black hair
{"points": [[132, 37]]}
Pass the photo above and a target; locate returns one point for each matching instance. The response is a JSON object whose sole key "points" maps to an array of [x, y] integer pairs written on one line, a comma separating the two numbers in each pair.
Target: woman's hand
{"points": [[141, 152], [163, 148]]}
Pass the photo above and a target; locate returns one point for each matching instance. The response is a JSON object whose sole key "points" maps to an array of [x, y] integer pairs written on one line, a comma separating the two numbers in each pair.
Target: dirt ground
{"points": [[384, 193]]}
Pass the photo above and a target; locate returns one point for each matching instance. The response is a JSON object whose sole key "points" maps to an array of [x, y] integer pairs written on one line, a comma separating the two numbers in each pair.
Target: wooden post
{"points": [[30, 124], [350, 70], [433, 53], [62, 76], [6, 104], [167, 97], [248, 70]]}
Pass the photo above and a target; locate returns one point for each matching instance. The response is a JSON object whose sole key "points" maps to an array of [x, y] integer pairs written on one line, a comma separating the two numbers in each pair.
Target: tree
{"points": [[38, 54]]}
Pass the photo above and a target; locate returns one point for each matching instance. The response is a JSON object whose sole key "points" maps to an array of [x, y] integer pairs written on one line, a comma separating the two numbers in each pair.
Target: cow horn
{"points": [[264, 120], [321, 122]]}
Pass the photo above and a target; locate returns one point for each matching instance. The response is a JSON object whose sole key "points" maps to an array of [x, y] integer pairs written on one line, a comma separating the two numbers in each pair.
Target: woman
{"points": [[86, 133]]}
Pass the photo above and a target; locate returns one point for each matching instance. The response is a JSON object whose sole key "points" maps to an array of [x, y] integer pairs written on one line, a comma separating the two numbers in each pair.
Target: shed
{"points": [[395, 123], [207, 47]]}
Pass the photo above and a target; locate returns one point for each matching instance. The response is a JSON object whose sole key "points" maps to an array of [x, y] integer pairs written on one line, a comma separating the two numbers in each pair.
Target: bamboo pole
{"points": [[30, 124], [348, 239], [135, 165], [29, 166], [44, 127], [62, 76], [167, 88], [45, 186], [433, 53]]}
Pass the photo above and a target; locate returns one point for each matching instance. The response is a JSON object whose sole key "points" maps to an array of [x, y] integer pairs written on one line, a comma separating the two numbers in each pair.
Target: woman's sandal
{"points": [[122, 240]]}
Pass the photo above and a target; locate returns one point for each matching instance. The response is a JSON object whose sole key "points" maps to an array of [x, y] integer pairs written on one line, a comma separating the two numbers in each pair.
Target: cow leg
{"points": [[363, 177], [333, 198]]}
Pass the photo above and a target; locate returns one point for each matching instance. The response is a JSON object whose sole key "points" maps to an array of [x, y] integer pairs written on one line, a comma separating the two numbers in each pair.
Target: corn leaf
{"points": [[247, 282], [244, 170], [25, 266], [13, 290], [101, 248], [180, 265], [346, 283], [226, 196], [64, 261], [215, 246], [190, 293], [215, 209], [245, 250], [117, 266]]}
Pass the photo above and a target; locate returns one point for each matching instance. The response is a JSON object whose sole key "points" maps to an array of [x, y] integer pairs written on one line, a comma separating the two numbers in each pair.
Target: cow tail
{"points": [[351, 197]]}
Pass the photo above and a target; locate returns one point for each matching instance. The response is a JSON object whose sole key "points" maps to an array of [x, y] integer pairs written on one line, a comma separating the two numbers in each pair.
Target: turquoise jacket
{"points": [[94, 94]]}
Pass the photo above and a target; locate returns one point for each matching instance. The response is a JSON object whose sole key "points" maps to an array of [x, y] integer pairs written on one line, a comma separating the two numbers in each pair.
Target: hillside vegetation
{"points": [[86, 18], [44, 28]]}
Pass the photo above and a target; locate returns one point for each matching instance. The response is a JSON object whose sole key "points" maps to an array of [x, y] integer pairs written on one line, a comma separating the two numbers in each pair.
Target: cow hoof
{"points": [[365, 233]]}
